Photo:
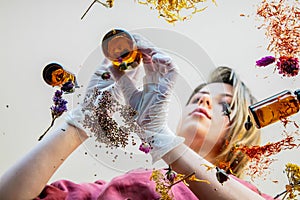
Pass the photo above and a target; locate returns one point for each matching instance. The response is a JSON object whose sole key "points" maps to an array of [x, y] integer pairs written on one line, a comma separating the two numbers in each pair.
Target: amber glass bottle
{"points": [[120, 47], [55, 75], [275, 108]]}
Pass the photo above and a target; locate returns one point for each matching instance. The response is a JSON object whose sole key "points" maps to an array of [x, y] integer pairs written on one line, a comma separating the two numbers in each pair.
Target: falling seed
{"points": [[7, 106]]}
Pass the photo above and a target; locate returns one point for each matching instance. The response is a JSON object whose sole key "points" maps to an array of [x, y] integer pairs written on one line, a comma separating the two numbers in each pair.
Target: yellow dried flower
{"points": [[293, 173], [171, 10], [163, 184], [292, 190]]}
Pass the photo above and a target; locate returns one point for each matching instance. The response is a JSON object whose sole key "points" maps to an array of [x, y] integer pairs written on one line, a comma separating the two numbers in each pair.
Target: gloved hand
{"points": [[86, 115], [152, 102]]}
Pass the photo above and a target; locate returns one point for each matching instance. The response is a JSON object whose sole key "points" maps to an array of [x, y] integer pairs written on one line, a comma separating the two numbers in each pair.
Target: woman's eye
{"points": [[223, 103], [195, 100]]}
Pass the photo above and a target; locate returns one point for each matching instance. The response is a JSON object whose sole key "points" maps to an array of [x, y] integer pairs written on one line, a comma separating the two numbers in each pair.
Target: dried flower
{"points": [[68, 87], [221, 175], [59, 107], [282, 22], [145, 147], [259, 155], [288, 66], [293, 174], [265, 61], [161, 185], [171, 11], [164, 183], [108, 4], [105, 76], [170, 174]]}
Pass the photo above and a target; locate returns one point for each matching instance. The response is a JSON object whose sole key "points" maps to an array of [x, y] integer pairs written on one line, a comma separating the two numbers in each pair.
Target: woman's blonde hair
{"points": [[229, 160]]}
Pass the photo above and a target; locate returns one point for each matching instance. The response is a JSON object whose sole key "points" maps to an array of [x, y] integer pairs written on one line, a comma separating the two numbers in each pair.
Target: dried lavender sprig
{"points": [[59, 107]]}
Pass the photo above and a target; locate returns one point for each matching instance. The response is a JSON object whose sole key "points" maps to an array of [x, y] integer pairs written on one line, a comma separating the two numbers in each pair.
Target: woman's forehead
{"points": [[217, 89]]}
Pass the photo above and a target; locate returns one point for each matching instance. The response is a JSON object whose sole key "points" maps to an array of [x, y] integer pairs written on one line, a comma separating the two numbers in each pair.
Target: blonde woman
{"points": [[205, 137], [238, 100]]}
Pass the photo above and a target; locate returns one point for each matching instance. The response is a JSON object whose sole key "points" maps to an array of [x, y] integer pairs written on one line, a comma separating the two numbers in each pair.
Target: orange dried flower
{"points": [[282, 24]]}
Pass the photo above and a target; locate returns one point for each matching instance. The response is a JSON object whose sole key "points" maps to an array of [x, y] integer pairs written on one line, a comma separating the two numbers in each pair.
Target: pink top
{"points": [[134, 185]]}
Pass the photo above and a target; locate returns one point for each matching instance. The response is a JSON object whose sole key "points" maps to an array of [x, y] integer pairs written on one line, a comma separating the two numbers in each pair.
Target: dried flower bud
{"points": [[221, 175], [105, 76], [145, 147], [288, 66], [265, 61], [171, 175], [68, 87]]}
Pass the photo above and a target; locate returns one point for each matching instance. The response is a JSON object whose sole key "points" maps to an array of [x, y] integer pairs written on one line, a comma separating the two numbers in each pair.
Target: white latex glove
{"points": [[77, 116], [153, 101]]}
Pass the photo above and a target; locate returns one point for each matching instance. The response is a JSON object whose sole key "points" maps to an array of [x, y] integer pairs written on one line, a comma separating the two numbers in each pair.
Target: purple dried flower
{"points": [[59, 107], [288, 66], [145, 147], [120, 60], [265, 61], [58, 93], [171, 175], [68, 87]]}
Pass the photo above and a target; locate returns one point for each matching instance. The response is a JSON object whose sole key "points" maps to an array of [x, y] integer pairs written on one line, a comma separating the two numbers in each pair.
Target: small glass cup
{"points": [[120, 48], [55, 75]]}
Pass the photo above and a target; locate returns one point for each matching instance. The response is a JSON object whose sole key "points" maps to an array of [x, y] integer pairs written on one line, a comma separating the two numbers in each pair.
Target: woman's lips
{"points": [[200, 112]]}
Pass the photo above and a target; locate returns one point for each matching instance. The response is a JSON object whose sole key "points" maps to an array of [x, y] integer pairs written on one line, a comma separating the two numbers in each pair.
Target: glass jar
{"points": [[55, 75], [119, 47], [275, 108]]}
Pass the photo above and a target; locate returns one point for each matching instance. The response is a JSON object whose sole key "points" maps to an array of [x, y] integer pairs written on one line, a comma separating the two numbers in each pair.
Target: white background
{"points": [[34, 33]]}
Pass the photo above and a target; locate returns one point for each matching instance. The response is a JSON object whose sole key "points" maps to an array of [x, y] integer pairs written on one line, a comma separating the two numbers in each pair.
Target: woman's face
{"points": [[203, 122]]}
